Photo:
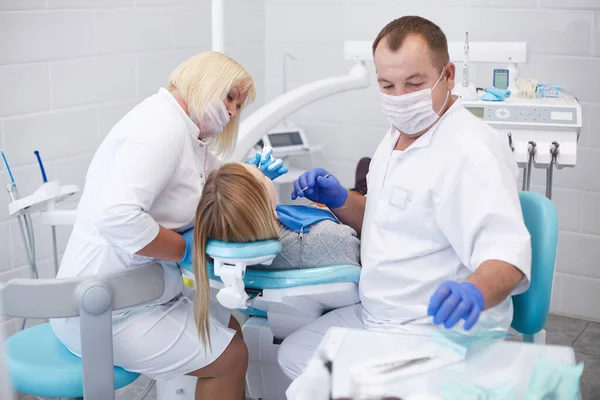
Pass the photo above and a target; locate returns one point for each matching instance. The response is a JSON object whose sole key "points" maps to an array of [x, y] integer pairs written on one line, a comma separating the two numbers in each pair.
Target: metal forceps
{"points": [[408, 321]]}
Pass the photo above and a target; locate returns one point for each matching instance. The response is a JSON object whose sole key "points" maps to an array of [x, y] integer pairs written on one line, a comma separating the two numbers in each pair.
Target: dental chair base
{"points": [[288, 310], [264, 380], [538, 338]]}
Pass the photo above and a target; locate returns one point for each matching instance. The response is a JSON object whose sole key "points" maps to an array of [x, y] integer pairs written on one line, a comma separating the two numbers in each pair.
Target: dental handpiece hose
{"points": [[24, 225], [24, 221], [52, 227], [549, 172], [37, 155]]}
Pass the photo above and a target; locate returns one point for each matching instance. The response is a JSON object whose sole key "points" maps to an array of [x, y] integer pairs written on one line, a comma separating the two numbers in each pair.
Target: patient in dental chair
{"points": [[239, 204]]}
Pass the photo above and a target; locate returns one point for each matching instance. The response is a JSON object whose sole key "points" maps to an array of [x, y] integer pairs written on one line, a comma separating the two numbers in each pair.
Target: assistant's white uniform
{"points": [[149, 171], [434, 212]]}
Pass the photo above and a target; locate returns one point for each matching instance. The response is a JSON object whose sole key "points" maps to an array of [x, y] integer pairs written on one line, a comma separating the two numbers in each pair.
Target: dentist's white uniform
{"points": [[149, 171], [434, 212]]}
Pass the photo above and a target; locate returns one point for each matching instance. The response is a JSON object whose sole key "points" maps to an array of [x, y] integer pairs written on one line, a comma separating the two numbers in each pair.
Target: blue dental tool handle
{"points": [[37, 154], [12, 178]]}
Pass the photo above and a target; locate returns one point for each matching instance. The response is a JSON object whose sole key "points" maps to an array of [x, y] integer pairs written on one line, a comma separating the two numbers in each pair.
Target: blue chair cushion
{"points": [[261, 278], [531, 307], [282, 279], [40, 365], [253, 312], [218, 249]]}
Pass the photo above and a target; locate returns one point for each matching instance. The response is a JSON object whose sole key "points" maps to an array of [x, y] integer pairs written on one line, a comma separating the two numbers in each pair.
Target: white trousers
{"points": [[298, 348]]}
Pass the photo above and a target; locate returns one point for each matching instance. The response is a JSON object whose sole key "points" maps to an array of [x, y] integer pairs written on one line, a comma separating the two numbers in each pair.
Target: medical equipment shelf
{"points": [[542, 133]]}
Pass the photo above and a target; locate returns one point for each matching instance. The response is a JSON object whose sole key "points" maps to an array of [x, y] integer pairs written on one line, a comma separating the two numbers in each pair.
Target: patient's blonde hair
{"points": [[207, 77], [235, 207]]}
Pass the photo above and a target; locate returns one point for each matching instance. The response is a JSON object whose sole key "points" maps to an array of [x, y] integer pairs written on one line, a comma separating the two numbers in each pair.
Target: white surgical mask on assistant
{"points": [[212, 120], [413, 112]]}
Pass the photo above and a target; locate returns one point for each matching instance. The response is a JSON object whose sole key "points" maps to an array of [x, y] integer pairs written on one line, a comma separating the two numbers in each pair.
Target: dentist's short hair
{"points": [[208, 77], [396, 31]]}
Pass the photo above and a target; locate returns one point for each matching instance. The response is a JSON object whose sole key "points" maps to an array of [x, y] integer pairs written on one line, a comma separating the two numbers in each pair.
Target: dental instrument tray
{"points": [[48, 192]]}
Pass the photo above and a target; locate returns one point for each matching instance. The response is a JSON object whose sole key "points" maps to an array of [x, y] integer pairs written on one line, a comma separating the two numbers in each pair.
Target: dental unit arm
{"points": [[253, 128]]}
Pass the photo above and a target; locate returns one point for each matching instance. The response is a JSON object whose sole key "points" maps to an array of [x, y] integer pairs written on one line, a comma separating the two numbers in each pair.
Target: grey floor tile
{"points": [[589, 341], [590, 384], [563, 330]]}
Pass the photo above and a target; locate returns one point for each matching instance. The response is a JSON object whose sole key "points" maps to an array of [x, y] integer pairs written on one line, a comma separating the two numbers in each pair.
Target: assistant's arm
{"points": [[138, 173], [167, 245]]}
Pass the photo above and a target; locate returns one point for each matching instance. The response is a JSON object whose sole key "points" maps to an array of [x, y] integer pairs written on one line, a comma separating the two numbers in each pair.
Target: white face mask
{"points": [[212, 120], [413, 112]]}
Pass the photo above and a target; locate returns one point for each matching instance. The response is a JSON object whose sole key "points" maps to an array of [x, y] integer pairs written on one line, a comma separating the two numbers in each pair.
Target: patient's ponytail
{"points": [[235, 207]]}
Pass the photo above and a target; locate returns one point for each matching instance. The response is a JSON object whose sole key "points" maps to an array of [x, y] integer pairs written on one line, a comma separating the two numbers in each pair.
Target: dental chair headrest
{"points": [[236, 251]]}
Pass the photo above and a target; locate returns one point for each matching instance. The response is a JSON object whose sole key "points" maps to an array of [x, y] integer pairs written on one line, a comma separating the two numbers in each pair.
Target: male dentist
{"points": [[442, 229]]}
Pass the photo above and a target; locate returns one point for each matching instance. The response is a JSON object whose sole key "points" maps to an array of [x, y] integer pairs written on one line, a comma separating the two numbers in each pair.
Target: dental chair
{"points": [[280, 302], [531, 307], [40, 365]]}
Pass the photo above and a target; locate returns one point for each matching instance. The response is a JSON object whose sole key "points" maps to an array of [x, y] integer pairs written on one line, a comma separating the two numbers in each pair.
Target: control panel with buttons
{"points": [[558, 112]]}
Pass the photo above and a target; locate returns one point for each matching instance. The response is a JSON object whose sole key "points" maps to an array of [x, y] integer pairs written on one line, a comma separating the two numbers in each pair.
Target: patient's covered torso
{"points": [[321, 244]]}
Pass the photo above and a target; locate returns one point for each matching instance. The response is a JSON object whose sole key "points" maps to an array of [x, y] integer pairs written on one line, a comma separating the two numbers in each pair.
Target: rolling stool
{"points": [[40, 365]]}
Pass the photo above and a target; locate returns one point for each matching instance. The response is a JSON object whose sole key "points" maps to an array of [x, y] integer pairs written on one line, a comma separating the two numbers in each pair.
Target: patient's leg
{"points": [[234, 324], [225, 378]]}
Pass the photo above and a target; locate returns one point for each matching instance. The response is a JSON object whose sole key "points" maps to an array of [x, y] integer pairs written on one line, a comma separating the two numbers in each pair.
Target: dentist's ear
{"points": [[450, 74]]}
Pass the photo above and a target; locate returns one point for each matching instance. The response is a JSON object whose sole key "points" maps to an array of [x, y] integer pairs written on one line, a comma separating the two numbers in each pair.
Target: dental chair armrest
{"points": [[56, 298]]}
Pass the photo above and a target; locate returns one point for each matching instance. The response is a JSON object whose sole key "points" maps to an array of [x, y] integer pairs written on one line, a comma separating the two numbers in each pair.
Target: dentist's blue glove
{"points": [[189, 246], [453, 301], [322, 190], [270, 166]]}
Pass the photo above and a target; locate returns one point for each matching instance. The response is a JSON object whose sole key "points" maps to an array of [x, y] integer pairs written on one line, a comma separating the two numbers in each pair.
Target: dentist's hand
{"points": [[188, 255], [322, 190], [270, 166], [453, 301]]}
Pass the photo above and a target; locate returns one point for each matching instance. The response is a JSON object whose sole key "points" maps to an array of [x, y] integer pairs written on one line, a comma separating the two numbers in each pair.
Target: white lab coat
{"points": [[434, 212], [149, 171]]}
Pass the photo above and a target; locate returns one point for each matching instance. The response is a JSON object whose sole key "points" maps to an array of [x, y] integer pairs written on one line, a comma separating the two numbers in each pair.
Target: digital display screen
{"points": [[561, 115], [285, 139], [501, 80], [476, 111]]}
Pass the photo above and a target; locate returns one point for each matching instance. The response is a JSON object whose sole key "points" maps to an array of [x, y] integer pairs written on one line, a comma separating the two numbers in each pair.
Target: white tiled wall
{"points": [[70, 69], [564, 38]]}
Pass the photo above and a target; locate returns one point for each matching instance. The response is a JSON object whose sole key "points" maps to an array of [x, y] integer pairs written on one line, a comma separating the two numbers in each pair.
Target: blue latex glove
{"points": [[270, 166], [188, 255], [322, 190], [453, 301]]}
